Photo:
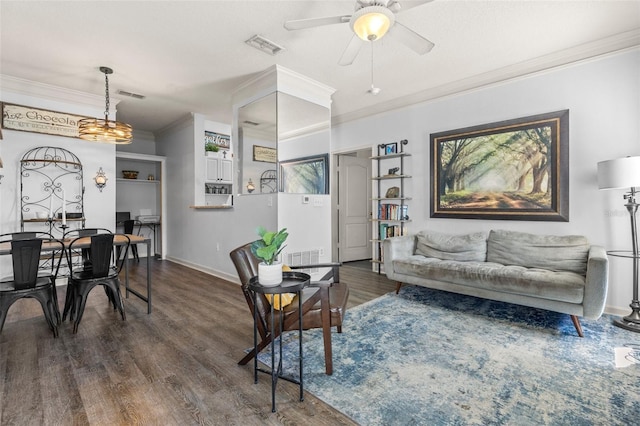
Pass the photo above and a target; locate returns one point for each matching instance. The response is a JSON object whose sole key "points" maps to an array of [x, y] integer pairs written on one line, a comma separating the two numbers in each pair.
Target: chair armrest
{"points": [[321, 283], [596, 283]]}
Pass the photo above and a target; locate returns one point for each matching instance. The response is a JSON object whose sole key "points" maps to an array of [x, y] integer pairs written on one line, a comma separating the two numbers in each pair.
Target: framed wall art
{"points": [[514, 170], [391, 148], [308, 175]]}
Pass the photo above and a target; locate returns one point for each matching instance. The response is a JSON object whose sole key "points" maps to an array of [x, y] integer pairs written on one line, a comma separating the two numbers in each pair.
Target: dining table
{"points": [[118, 240]]}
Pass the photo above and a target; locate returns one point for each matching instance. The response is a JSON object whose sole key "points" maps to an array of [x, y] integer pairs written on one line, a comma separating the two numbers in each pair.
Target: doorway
{"points": [[354, 205]]}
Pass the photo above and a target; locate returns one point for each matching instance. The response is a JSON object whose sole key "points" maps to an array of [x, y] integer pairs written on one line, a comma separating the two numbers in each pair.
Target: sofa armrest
{"points": [[596, 283], [396, 248]]}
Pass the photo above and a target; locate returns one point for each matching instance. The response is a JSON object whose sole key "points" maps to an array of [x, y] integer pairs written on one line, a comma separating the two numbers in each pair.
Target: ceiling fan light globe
{"points": [[372, 22]]}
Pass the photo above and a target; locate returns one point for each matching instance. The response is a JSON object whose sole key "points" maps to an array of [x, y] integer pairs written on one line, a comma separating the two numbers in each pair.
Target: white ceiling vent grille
{"points": [[129, 94], [264, 45]]}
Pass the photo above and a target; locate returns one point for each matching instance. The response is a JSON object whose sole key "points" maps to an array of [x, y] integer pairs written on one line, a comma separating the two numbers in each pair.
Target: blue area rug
{"points": [[428, 357]]}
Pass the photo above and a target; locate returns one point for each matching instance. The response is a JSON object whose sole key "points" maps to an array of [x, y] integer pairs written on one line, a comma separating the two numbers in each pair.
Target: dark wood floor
{"points": [[177, 366]]}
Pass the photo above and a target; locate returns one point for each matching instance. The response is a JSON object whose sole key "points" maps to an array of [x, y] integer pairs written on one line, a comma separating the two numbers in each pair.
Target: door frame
{"points": [[335, 219]]}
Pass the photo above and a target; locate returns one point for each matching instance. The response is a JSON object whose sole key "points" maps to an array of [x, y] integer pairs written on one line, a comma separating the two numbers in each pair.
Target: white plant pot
{"points": [[213, 154], [269, 275]]}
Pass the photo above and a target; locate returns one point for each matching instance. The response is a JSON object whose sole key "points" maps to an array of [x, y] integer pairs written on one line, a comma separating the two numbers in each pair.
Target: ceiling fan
{"points": [[371, 21]]}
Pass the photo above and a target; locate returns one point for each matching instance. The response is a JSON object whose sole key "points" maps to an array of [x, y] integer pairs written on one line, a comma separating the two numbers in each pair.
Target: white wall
{"points": [[202, 238], [603, 96], [307, 223], [99, 206]]}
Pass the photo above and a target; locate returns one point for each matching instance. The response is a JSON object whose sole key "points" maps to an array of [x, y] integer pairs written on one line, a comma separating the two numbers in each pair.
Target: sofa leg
{"points": [[398, 285], [576, 324]]}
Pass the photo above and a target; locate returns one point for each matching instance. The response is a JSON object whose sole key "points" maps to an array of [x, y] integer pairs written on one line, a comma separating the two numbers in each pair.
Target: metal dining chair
{"points": [[27, 279], [132, 227], [104, 270]]}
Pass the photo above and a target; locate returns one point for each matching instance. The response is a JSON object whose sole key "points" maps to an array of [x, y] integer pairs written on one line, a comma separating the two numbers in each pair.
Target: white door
{"points": [[354, 207]]}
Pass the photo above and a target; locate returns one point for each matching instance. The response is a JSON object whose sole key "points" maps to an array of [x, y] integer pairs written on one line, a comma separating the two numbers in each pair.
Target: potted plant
{"points": [[267, 249], [211, 149]]}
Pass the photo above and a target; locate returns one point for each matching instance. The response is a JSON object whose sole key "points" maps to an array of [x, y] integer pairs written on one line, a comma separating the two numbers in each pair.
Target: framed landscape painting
{"points": [[308, 175], [516, 170]]}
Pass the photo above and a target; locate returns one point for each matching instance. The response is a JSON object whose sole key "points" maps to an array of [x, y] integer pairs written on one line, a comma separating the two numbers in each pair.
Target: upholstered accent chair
{"points": [[324, 304]]}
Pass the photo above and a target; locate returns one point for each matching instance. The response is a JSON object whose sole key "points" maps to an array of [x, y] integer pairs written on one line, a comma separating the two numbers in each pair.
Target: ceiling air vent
{"points": [[264, 45], [131, 95]]}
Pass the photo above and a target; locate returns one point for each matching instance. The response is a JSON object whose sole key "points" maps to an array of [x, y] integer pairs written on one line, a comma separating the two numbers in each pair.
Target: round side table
{"points": [[292, 282]]}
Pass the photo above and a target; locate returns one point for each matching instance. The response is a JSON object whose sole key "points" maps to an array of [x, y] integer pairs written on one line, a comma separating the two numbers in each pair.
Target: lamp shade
{"points": [[372, 22], [619, 173], [108, 131]]}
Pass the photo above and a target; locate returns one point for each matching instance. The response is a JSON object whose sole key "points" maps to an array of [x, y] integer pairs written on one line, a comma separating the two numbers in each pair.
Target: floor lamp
{"points": [[625, 173]]}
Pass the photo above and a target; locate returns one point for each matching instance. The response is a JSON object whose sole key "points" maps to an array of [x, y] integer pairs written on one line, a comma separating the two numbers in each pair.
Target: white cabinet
{"points": [[218, 182], [219, 170]]}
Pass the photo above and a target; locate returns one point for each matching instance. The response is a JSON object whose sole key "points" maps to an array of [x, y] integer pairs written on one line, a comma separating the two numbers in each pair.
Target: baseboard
{"points": [[615, 310], [215, 272]]}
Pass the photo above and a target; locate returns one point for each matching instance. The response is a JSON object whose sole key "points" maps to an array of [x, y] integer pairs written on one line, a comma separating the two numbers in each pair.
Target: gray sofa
{"points": [[558, 273]]}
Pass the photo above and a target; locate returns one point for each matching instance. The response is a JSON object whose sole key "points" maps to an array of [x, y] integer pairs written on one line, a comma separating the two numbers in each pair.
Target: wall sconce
{"points": [[100, 179], [250, 186]]}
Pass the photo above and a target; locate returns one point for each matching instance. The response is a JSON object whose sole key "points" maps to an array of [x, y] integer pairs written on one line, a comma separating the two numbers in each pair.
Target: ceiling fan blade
{"points": [[301, 24], [400, 6], [412, 39], [351, 51]]}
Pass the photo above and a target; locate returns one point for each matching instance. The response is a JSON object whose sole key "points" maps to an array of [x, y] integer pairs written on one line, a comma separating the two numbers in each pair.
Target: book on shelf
{"points": [[387, 231], [390, 211]]}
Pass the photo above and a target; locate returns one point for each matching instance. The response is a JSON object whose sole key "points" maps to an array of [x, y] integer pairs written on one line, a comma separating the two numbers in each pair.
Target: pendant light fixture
{"points": [[108, 131]]}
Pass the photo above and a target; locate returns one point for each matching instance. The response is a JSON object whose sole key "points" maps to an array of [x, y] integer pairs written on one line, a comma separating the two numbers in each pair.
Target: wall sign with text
{"points": [[223, 141], [264, 154], [36, 120]]}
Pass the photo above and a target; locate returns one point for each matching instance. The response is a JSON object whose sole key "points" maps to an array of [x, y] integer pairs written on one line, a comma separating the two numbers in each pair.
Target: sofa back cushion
{"points": [[552, 252], [469, 247]]}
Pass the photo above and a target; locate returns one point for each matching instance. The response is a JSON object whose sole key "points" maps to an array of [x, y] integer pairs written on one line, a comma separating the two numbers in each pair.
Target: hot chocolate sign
{"points": [[29, 119]]}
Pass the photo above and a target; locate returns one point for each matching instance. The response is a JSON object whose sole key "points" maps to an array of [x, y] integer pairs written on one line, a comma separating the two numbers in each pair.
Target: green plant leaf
{"points": [[270, 245]]}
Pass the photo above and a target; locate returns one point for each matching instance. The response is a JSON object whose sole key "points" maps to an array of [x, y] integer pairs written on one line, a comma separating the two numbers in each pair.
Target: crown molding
{"points": [[186, 121], [564, 58], [53, 93], [143, 134]]}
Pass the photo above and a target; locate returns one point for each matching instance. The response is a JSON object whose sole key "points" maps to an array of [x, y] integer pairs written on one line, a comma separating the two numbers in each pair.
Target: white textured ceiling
{"points": [[189, 56]]}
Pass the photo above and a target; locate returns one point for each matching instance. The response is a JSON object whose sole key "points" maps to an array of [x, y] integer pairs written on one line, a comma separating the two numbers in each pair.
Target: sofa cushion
{"points": [[467, 248], [552, 252], [541, 283]]}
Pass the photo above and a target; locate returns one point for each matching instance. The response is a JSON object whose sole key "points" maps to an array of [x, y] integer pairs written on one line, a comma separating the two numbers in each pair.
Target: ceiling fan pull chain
{"points": [[371, 42], [373, 90]]}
